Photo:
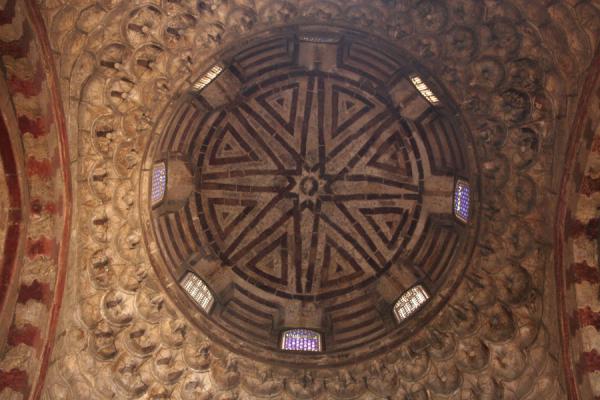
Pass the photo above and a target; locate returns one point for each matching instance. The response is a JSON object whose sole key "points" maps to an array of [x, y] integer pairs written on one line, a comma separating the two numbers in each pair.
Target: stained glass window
{"points": [[409, 302], [301, 340], [208, 77], [159, 182], [197, 289], [424, 89], [462, 200]]}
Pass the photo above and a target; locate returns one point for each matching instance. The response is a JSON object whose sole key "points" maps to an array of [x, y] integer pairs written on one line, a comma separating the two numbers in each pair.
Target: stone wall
{"points": [[32, 113], [578, 241]]}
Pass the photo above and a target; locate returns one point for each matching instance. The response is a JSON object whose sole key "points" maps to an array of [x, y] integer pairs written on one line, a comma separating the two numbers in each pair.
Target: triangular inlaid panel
{"points": [[347, 108], [392, 157], [228, 213], [387, 222], [231, 148], [338, 266], [272, 261], [282, 105]]}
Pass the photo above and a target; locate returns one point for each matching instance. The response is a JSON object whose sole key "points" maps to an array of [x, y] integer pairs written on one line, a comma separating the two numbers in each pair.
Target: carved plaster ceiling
{"points": [[285, 158]]}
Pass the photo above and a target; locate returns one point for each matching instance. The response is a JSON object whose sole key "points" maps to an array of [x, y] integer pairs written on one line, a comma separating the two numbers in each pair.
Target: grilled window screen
{"points": [[197, 289], [410, 302], [208, 77], [301, 340], [462, 200], [159, 182], [424, 89]]}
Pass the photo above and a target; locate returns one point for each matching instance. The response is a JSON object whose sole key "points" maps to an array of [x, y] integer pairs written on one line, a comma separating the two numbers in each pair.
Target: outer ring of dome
{"points": [[409, 328]]}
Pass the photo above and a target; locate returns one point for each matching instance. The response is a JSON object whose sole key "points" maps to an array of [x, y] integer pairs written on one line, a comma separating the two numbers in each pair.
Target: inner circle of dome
{"points": [[288, 175], [309, 183]]}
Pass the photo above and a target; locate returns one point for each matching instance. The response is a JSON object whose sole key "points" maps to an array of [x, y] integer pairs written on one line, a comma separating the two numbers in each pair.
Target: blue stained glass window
{"points": [[159, 182], [462, 200], [301, 340]]}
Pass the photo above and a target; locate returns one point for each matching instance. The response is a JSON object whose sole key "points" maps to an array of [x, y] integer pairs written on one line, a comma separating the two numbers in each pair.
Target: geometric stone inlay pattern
{"points": [[284, 213], [322, 188]]}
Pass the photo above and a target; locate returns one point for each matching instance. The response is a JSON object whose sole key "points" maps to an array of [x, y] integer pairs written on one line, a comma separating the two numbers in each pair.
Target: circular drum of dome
{"points": [[306, 179]]}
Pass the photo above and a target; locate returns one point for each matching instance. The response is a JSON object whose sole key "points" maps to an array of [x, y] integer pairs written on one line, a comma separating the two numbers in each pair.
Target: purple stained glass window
{"points": [[301, 340], [462, 200], [159, 182]]}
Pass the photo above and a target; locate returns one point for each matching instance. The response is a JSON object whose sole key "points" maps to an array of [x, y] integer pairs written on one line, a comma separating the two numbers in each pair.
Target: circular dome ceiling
{"points": [[306, 179]]}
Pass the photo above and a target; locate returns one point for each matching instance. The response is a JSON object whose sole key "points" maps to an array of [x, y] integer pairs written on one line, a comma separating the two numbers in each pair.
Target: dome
{"points": [[311, 177]]}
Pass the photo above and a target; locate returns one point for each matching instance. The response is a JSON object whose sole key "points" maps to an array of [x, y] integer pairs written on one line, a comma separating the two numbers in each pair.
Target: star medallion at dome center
{"points": [[309, 185]]}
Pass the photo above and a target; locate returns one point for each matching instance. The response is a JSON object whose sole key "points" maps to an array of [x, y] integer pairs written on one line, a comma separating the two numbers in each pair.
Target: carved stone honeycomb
{"points": [[508, 66]]}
